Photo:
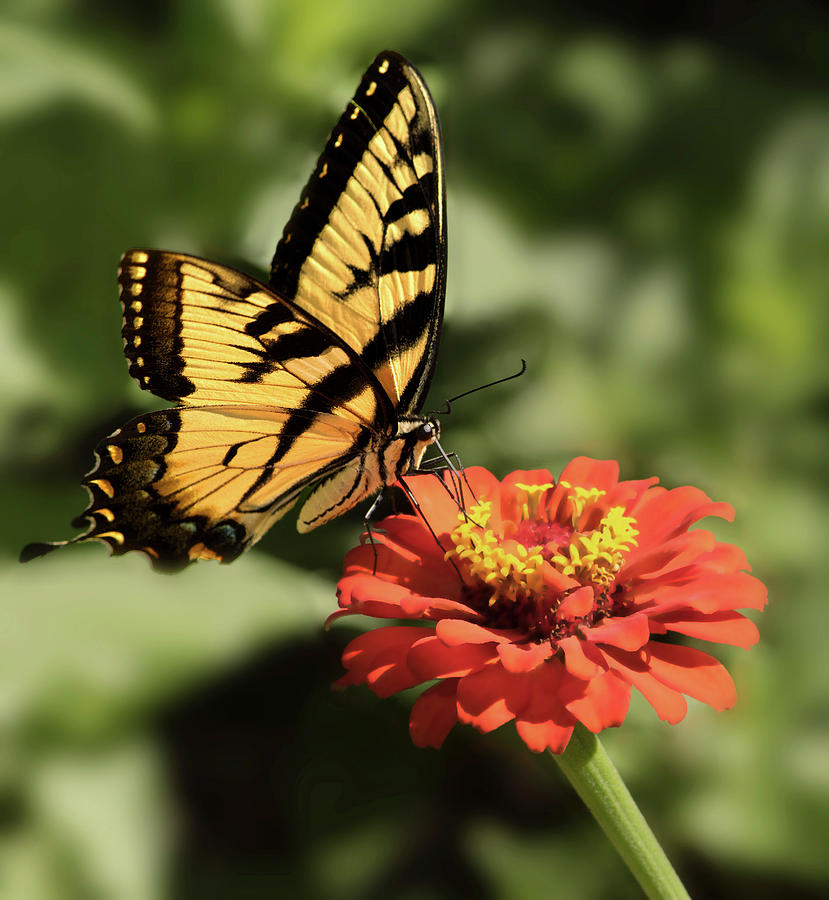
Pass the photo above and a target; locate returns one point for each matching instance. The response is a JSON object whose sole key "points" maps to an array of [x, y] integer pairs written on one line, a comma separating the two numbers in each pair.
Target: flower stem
{"points": [[598, 783]]}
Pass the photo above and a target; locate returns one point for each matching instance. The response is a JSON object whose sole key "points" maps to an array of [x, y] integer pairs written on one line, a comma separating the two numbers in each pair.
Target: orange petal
{"points": [[457, 631], [434, 713], [669, 705], [548, 735], [650, 561], [627, 632], [524, 657], [545, 723], [430, 658], [581, 659], [490, 697], [586, 472], [665, 514], [577, 604], [692, 672], [602, 704], [719, 627]]}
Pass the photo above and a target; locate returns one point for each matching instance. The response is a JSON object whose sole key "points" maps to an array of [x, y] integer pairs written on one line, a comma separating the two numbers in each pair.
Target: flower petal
{"points": [[439, 502], [384, 561], [576, 605], [581, 659], [669, 704], [492, 696], [724, 558], [627, 632], [602, 703], [457, 631], [663, 514], [369, 596], [434, 713], [436, 503], [721, 627], [378, 659], [651, 562], [430, 658], [524, 657], [705, 593], [586, 472], [628, 493], [545, 724], [408, 534], [513, 498], [692, 672]]}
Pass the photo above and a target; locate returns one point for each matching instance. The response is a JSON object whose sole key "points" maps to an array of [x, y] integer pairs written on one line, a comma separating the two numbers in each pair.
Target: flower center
{"points": [[516, 569], [507, 566], [596, 556]]}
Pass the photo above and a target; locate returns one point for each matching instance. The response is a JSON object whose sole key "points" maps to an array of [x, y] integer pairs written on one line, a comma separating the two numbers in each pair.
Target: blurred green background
{"points": [[639, 206]]}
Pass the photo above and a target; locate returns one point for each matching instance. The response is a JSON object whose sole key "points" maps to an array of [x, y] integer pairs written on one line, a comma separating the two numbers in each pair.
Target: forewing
{"points": [[202, 333], [365, 249], [206, 482]]}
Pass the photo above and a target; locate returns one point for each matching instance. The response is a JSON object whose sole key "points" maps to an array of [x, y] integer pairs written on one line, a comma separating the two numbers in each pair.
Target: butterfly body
{"points": [[311, 381]]}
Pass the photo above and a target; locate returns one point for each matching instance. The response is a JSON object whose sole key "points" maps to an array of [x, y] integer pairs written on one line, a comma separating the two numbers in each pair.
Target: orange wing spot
{"points": [[371, 88], [304, 204], [140, 427], [136, 305], [339, 141], [383, 67], [116, 454], [136, 288], [200, 551], [115, 535], [150, 552], [138, 256], [139, 361], [324, 170], [137, 272], [105, 486], [355, 113], [136, 341], [137, 322], [108, 514]]}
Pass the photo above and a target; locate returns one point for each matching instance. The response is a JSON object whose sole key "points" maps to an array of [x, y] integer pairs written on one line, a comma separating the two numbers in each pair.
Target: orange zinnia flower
{"points": [[547, 603]]}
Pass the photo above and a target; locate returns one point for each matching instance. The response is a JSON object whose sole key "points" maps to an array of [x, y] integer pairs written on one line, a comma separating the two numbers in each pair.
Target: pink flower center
{"points": [[521, 574]]}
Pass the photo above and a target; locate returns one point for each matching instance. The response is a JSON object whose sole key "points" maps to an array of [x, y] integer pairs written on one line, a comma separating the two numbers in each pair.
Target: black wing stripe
{"points": [[373, 209]]}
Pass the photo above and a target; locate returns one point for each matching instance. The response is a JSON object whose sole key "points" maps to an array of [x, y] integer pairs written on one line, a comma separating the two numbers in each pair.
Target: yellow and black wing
{"points": [[272, 403], [365, 248], [298, 383]]}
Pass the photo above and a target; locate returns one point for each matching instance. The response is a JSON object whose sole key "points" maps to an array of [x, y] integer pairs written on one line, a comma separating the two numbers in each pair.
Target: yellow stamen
{"points": [[597, 556], [510, 574], [580, 497], [533, 492]]}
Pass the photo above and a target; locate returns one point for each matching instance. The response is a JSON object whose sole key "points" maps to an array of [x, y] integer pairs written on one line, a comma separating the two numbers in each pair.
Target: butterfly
{"points": [[313, 380]]}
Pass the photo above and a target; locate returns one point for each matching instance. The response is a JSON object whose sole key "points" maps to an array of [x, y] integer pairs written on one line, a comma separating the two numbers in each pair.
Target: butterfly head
{"points": [[414, 436]]}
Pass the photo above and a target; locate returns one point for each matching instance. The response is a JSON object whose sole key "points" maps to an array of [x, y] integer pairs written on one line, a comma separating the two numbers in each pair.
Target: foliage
{"points": [[638, 207]]}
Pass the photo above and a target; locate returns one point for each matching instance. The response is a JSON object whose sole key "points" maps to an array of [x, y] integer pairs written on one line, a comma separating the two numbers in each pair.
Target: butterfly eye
{"points": [[427, 431]]}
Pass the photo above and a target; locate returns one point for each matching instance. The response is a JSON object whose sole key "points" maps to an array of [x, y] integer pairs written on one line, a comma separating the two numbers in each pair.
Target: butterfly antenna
{"points": [[448, 403]]}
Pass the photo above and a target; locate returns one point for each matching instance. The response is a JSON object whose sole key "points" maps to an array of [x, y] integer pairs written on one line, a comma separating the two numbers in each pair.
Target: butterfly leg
{"points": [[418, 509], [367, 523], [451, 462]]}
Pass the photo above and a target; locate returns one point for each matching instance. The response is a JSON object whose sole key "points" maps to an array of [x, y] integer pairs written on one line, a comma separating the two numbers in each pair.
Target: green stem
{"points": [[593, 775]]}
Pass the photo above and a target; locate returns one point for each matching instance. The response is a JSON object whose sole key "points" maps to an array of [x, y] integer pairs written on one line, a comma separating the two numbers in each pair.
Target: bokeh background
{"points": [[639, 207]]}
